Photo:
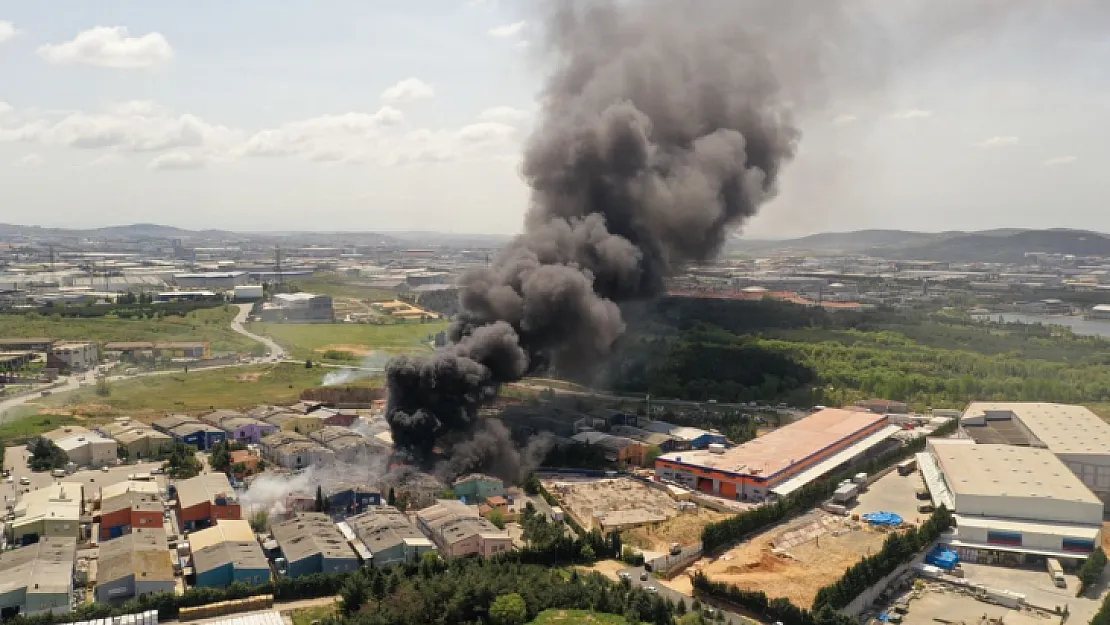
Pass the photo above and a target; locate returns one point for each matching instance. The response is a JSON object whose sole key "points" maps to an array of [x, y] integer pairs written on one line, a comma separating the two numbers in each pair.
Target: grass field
{"points": [[213, 325], [577, 617], [306, 616], [151, 397], [19, 431], [305, 341], [338, 286]]}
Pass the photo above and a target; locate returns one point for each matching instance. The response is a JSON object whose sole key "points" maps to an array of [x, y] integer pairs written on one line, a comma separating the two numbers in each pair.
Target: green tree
{"points": [[45, 455], [353, 594], [508, 609], [220, 456], [182, 463], [260, 521], [497, 519]]}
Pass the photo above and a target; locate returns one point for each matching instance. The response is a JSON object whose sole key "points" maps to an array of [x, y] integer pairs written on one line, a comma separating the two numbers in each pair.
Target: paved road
{"points": [[635, 574], [275, 351]]}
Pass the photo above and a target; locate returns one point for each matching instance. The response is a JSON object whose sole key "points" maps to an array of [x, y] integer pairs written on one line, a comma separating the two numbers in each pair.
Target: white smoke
{"points": [[372, 364], [271, 492]]}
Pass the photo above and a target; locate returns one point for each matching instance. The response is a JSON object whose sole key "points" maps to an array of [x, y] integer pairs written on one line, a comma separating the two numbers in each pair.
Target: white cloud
{"points": [[997, 142], [506, 114], [523, 43], [323, 135], [1060, 160], [7, 31], [5, 107], [485, 132], [105, 46], [171, 161], [104, 160], [29, 160], [508, 30], [408, 90], [843, 120], [913, 114]]}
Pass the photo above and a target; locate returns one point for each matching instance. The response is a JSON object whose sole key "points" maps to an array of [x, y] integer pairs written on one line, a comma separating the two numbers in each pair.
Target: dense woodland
{"points": [[772, 351]]}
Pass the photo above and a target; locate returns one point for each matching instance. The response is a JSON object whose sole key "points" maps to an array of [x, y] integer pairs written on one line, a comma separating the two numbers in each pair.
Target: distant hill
{"points": [[131, 231], [998, 245]]}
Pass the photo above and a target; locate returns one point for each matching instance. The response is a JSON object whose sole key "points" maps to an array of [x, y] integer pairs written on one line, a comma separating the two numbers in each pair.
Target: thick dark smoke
{"points": [[662, 129]]}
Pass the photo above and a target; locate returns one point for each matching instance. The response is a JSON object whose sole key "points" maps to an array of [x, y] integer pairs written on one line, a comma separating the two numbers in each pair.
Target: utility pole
{"points": [[277, 263]]}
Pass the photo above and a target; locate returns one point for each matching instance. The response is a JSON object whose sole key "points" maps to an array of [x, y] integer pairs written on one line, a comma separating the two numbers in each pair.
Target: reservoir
{"points": [[1078, 325]]}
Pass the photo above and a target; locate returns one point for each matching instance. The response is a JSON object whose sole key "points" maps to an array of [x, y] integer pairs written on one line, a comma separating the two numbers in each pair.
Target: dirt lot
{"points": [[683, 529], [584, 498], [956, 608], [608, 568], [815, 551], [357, 350]]}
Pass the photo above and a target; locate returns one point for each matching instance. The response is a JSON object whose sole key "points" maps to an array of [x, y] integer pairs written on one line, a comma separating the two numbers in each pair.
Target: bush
{"points": [[1091, 570]]}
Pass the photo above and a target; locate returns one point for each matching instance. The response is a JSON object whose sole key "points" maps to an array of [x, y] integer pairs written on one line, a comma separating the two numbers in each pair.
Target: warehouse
{"points": [[389, 537], [191, 431], [694, 438], [129, 505], [136, 440], [1078, 437], [134, 565], [1018, 501], [226, 553], [293, 450], [51, 511], [89, 449], [78, 355], [310, 543], [223, 280], [38, 578], [477, 487], [779, 462], [204, 499], [617, 449], [458, 531]]}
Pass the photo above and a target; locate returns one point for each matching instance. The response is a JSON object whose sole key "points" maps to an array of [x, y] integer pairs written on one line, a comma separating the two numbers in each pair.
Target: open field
{"points": [[305, 341], [577, 617], [18, 431], [802, 568], [338, 286], [150, 397], [213, 325]]}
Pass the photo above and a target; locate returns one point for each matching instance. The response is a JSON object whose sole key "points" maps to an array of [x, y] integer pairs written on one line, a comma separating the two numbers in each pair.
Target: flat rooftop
{"points": [[772, 453], [1005, 470], [44, 567], [204, 488], [310, 534], [1062, 428], [142, 553]]}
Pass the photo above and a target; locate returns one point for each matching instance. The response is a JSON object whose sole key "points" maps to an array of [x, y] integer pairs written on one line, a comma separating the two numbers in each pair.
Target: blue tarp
{"points": [[882, 518], [943, 558]]}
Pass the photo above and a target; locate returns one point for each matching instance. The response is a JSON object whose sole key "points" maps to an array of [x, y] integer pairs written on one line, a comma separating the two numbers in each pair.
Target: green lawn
{"points": [[305, 616], [213, 325], [154, 396], [313, 340], [577, 617], [17, 432], [339, 286]]}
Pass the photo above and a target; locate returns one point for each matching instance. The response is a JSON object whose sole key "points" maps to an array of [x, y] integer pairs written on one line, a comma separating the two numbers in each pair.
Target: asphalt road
{"points": [[275, 352], [634, 574]]}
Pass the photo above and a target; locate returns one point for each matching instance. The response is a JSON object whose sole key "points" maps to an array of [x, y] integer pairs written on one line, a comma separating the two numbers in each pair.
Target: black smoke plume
{"points": [[662, 128]]}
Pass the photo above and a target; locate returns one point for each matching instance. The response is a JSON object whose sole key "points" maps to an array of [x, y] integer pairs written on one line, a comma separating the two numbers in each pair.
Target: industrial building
{"points": [[293, 450], [240, 427], [477, 487], [310, 543], [694, 438], [1017, 501], [781, 461], [1077, 436], [615, 448], [135, 350], [129, 505], [89, 449], [191, 431], [50, 511], [38, 578], [348, 445], [457, 530], [79, 356], [222, 280], [299, 308], [134, 565], [137, 440], [205, 499], [227, 553], [388, 537]]}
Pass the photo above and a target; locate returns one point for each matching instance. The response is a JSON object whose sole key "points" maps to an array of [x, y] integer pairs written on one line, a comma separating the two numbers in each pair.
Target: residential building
{"points": [[89, 449], [134, 565], [294, 451], [226, 553], [136, 440], [696, 438], [389, 536], [191, 431], [78, 355], [48, 512], [1011, 503], [457, 530], [38, 578], [476, 487], [310, 543], [127, 506], [204, 499]]}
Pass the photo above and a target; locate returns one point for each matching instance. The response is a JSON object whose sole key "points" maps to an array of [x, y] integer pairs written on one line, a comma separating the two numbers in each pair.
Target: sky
{"points": [[412, 115]]}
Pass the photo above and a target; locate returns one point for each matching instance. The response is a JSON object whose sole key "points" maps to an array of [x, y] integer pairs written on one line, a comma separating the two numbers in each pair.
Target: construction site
{"points": [[614, 504]]}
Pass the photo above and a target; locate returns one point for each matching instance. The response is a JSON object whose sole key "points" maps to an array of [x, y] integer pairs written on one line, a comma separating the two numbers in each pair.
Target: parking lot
{"points": [[893, 493], [950, 607], [1037, 587], [15, 460]]}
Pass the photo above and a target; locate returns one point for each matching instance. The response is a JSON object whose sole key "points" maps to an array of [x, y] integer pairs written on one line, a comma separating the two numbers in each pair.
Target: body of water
{"points": [[1079, 325]]}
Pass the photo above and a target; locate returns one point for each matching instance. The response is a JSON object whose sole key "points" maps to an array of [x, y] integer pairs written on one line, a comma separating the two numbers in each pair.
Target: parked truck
{"points": [[1056, 572], [907, 467]]}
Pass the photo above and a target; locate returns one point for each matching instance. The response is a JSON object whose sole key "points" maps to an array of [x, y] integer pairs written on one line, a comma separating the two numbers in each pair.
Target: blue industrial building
{"points": [[310, 543]]}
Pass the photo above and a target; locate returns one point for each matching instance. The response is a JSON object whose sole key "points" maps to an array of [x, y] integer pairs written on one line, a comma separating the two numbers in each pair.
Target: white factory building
{"points": [[1011, 504], [1077, 436]]}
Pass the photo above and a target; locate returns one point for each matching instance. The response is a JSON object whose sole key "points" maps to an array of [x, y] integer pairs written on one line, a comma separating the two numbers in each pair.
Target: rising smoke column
{"points": [[662, 128]]}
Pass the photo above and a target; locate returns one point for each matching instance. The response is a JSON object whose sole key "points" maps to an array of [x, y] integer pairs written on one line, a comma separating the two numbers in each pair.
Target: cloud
{"points": [[506, 114], [408, 90], [7, 31], [175, 161], [508, 30], [912, 114], [105, 46], [485, 132], [29, 160], [844, 119], [997, 142], [5, 107], [321, 135], [1060, 160], [105, 160]]}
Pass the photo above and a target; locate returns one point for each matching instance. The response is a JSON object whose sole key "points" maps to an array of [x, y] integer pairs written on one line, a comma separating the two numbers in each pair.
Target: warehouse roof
{"points": [[44, 567], [680, 432], [309, 534], [203, 488], [1062, 428], [142, 553], [241, 555], [58, 501], [128, 486], [383, 528], [76, 441], [772, 453], [1006, 470], [65, 432], [225, 530], [143, 502]]}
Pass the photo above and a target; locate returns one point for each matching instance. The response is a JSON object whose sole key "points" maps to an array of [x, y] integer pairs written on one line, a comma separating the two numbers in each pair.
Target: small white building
{"points": [[89, 449], [79, 355]]}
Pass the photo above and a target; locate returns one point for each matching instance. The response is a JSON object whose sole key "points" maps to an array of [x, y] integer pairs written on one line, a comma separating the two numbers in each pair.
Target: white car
{"points": [[650, 589], [25, 481]]}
